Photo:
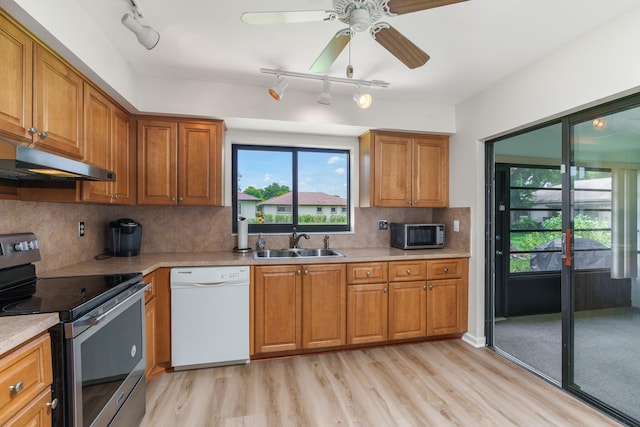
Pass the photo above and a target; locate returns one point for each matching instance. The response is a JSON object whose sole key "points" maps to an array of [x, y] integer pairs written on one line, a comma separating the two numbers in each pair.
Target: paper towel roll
{"points": [[243, 234]]}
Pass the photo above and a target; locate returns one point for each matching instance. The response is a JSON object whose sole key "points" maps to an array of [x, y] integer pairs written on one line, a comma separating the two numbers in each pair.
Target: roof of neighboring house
{"points": [[247, 197], [306, 199]]}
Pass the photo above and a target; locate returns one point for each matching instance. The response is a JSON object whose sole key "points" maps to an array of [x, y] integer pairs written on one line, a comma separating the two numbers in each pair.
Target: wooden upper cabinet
{"points": [[58, 97], [200, 164], [107, 134], [179, 162], [16, 77], [404, 170]]}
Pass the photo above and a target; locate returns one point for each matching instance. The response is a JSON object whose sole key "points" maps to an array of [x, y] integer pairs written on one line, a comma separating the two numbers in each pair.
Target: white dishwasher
{"points": [[209, 316]]}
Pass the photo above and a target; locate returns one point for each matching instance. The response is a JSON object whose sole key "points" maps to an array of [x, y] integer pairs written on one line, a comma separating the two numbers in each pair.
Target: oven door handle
{"points": [[95, 320]]}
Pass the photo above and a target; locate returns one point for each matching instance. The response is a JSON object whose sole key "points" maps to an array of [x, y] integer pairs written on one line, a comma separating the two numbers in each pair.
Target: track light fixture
{"points": [[147, 36], [325, 96], [363, 100], [277, 91]]}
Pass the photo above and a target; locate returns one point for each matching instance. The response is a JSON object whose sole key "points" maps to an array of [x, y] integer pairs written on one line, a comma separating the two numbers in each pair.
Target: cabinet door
{"points": [[36, 414], [97, 134], [392, 171], [157, 169], [407, 310], [200, 164], [446, 307], [150, 327], [58, 105], [122, 158], [16, 75], [367, 313], [278, 310], [431, 171], [324, 303]]}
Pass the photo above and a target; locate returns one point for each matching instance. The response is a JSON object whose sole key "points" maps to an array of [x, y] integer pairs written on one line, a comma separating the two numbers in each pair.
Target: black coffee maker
{"points": [[124, 237]]}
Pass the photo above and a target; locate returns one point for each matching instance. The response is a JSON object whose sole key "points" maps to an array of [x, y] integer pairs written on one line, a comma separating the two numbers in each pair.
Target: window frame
{"points": [[287, 228]]}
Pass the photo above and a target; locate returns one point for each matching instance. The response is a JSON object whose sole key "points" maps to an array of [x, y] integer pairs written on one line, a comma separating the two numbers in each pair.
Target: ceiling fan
{"points": [[360, 15]]}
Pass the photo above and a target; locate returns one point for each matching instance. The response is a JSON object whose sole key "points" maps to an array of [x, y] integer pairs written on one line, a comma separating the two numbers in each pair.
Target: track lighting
{"points": [[362, 100], [277, 92], [325, 96], [147, 36]]}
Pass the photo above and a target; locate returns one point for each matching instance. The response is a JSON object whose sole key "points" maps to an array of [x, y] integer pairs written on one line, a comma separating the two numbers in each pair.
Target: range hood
{"points": [[29, 165]]}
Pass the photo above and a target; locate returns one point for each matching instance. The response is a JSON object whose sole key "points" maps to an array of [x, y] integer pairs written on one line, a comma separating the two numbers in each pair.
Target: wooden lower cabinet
{"points": [[446, 307], [407, 310], [299, 307], [158, 321], [25, 384], [367, 313]]}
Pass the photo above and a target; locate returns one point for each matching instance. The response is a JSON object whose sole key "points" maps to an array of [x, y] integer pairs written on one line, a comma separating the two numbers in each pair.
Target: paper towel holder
{"points": [[237, 249]]}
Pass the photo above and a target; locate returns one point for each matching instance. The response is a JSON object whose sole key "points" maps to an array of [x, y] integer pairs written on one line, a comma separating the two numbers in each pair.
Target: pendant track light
{"points": [[362, 100], [147, 36], [277, 91]]}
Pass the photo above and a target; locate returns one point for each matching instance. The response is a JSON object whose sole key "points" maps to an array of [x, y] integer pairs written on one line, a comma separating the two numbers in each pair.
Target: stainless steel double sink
{"points": [[296, 253]]}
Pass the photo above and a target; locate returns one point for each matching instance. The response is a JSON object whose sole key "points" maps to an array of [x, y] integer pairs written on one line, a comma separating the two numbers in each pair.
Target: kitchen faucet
{"points": [[295, 237]]}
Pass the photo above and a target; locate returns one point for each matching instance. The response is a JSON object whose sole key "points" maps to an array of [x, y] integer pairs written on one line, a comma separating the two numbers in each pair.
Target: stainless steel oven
{"points": [[107, 360], [98, 347]]}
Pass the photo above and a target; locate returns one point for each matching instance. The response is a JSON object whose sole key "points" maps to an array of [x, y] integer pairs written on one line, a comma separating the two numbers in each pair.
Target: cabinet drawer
{"points": [[28, 369], [445, 268], [367, 272], [400, 271]]}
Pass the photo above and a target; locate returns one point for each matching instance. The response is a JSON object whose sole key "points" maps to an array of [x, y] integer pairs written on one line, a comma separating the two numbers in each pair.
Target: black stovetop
{"points": [[71, 297]]}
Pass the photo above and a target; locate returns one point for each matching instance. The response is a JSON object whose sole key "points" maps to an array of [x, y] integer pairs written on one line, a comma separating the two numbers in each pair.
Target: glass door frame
{"points": [[567, 287]]}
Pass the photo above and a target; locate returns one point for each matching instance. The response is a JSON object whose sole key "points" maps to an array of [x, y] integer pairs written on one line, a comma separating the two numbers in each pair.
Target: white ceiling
{"points": [[472, 44]]}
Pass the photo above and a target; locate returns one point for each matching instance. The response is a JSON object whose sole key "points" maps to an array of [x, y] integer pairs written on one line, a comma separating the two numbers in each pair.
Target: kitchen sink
{"points": [[296, 253]]}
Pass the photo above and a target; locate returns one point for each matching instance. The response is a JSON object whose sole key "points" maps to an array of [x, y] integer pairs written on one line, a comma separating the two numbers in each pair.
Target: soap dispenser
{"points": [[260, 244]]}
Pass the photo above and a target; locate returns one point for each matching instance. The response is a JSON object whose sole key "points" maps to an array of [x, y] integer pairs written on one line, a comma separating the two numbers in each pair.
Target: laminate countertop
{"points": [[15, 330], [148, 262]]}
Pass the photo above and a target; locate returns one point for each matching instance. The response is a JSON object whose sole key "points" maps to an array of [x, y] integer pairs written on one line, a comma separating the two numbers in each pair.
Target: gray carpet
{"points": [[607, 351]]}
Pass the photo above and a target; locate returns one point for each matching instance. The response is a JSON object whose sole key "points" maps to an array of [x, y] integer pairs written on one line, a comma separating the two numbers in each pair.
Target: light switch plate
{"points": [[456, 225]]}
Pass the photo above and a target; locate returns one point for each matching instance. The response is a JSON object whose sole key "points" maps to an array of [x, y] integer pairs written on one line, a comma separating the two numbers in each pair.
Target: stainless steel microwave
{"points": [[417, 236]]}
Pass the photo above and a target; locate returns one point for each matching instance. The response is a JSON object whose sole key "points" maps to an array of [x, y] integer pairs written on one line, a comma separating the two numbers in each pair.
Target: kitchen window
{"points": [[291, 187]]}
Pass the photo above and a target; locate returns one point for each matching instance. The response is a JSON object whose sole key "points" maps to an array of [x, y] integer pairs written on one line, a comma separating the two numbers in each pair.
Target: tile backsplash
{"points": [[191, 229]]}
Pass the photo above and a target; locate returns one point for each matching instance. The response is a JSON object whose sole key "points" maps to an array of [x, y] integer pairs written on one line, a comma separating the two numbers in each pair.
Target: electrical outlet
{"points": [[81, 228], [383, 224], [456, 225]]}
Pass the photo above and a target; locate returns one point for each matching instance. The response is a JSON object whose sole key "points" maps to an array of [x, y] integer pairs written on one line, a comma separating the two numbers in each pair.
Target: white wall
{"points": [[599, 66]]}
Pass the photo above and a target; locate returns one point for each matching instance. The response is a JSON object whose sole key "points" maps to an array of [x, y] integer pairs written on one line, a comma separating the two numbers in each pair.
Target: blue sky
{"points": [[325, 172]]}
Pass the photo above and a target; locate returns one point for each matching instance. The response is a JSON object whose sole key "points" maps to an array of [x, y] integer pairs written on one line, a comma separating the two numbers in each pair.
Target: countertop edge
{"points": [[16, 330]]}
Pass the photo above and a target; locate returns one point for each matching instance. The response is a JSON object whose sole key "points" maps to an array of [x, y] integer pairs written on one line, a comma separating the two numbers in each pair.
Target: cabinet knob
{"points": [[299, 272], [408, 271], [424, 287], [32, 130], [368, 274], [306, 272], [409, 202], [43, 134], [430, 286], [446, 270], [53, 404], [17, 387], [173, 199], [385, 290], [180, 199]]}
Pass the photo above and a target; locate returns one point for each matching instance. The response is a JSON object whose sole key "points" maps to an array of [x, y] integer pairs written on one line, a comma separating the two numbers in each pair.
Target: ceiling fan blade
{"points": [[401, 7], [332, 51], [260, 18], [399, 46]]}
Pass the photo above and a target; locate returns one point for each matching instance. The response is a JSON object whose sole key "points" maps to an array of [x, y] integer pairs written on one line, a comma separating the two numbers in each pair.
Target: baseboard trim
{"points": [[477, 342]]}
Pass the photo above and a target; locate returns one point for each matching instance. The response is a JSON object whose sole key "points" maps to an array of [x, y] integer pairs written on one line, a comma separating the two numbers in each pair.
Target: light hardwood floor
{"points": [[429, 384]]}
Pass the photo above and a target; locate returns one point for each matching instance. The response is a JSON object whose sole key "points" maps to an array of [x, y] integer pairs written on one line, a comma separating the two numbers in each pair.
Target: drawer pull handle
{"points": [[368, 274], [53, 404], [446, 269], [408, 271], [18, 387]]}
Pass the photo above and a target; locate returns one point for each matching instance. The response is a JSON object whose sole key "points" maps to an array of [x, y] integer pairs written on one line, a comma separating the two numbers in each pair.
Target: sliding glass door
{"points": [[605, 306]]}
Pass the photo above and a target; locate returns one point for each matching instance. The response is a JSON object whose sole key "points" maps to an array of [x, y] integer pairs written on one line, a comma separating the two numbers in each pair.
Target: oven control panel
{"points": [[17, 249]]}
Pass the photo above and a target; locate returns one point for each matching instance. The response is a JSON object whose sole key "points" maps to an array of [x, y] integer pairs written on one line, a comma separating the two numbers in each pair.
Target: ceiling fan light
{"points": [[325, 96], [363, 100], [277, 91], [360, 20], [147, 36]]}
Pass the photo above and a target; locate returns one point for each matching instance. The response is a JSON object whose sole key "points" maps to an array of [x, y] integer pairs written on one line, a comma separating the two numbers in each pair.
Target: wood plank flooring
{"points": [[429, 384]]}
